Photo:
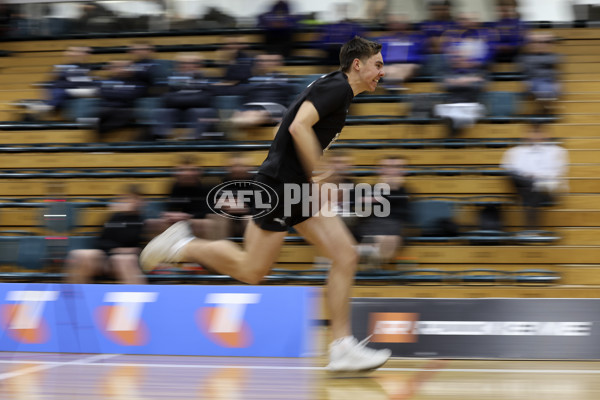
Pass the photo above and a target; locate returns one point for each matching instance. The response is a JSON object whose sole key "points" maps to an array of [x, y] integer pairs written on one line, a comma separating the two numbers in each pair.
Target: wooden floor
{"points": [[69, 376]]}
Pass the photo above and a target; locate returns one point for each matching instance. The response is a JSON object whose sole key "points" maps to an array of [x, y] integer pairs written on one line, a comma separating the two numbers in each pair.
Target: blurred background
{"points": [[126, 113]]}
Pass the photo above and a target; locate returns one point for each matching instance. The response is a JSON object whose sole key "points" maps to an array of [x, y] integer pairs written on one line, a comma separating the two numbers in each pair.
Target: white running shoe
{"points": [[347, 354], [166, 246]]}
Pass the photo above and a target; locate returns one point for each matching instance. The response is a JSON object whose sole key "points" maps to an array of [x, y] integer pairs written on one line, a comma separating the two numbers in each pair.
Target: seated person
{"points": [[335, 34], [540, 65], [471, 40], [279, 27], [440, 20], [147, 70], [117, 248], [239, 170], [464, 84], [403, 51], [510, 30], [266, 96], [187, 201], [381, 237], [189, 100], [238, 66], [71, 79], [537, 169], [118, 93]]}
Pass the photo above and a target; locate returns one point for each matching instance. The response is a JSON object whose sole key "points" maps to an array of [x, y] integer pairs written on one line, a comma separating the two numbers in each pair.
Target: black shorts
{"points": [[276, 220]]}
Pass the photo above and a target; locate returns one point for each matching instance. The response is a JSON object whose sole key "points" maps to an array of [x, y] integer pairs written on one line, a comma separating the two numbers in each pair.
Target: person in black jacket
{"points": [[150, 72], [266, 96], [187, 202], [71, 79], [117, 248], [188, 100], [381, 237], [118, 94]]}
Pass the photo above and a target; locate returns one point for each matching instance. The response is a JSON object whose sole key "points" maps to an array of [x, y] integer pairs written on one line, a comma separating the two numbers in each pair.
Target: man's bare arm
{"points": [[305, 139]]}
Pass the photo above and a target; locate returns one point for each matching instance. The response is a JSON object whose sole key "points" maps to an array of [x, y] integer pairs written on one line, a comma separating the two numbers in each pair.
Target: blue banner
{"points": [[256, 321]]}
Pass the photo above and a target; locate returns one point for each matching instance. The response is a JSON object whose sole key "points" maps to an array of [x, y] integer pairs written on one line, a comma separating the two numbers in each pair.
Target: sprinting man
{"points": [[310, 125]]}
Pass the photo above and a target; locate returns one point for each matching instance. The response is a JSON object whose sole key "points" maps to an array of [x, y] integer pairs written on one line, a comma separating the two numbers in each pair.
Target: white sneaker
{"points": [[347, 354], [167, 246]]}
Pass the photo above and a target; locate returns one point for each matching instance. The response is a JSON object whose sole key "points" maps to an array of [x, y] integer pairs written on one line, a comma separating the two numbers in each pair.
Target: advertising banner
{"points": [[481, 328], [263, 321]]}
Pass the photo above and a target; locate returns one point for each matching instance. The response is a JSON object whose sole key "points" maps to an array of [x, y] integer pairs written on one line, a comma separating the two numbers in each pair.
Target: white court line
{"points": [[42, 366], [89, 362]]}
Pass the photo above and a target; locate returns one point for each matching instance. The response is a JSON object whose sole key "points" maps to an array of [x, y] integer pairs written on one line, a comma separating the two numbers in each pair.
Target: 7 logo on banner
{"points": [[23, 319], [122, 322]]}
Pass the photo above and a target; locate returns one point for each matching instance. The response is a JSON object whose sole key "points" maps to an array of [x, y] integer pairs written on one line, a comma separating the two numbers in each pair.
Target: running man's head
{"points": [[361, 60]]}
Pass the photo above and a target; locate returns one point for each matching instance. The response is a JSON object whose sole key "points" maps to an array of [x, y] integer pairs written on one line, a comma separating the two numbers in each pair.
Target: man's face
{"points": [[393, 167], [371, 71], [187, 174], [141, 52]]}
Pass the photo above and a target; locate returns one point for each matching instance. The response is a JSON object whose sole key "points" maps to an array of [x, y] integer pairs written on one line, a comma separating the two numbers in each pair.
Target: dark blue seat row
{"points": [[251, 145], [316, 276], [85, 173]]}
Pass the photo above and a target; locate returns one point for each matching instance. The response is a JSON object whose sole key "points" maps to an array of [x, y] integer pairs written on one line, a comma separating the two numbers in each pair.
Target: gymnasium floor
{"points": [[108, 376]]}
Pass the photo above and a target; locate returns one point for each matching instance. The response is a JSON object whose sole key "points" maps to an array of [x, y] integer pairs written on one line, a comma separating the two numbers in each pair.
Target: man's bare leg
{"points": [[331, 236], [248, 264], [251, 264]]}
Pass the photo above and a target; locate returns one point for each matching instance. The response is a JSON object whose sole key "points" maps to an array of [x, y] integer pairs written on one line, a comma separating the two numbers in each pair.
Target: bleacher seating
{"points": [[35, 155]]}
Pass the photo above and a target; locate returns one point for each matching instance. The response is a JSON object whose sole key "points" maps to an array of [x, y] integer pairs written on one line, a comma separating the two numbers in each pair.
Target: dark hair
{"points": [[357, 48], [538, 127]]}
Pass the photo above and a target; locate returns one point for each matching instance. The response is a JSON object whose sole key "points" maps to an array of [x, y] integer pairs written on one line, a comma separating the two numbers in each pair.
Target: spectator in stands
{"points": [[150, 72], [238, 63], [440, 20], [403, 51], [239, 170], [189, 100], [375, 11], [279, 26], [267, 95], [381, 237], [187, 201], [469, 39], [117, 248], [335, 34], [511, 32], [464, 83], [70, 80], [118, 94], [537, 169], [540, 65]]}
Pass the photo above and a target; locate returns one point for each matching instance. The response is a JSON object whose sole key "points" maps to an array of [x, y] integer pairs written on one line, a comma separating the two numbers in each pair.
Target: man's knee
{"points": [[346, 257], [254, 276]]}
